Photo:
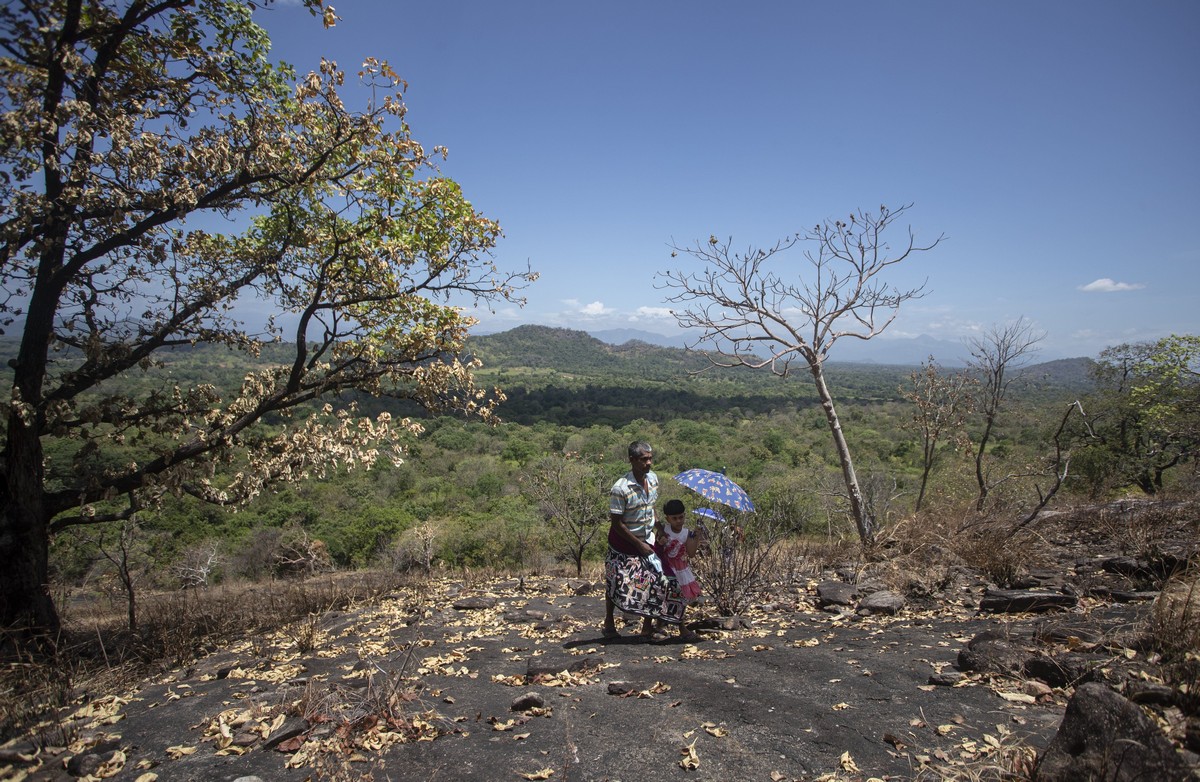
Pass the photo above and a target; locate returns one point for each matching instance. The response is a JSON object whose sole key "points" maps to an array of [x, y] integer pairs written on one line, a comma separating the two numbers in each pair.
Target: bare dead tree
{"points": [[133, 555], [198, 564], [748, 304], [942, 403], [570, 494], [995, 357], [1058, 468]]}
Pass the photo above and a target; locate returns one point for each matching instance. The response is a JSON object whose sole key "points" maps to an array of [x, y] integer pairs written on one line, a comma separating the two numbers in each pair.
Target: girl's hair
{"points": [[673, 507]]}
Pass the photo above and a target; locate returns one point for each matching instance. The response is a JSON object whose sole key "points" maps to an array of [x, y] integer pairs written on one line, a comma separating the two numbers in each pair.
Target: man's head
{"points": [[641, 457]]}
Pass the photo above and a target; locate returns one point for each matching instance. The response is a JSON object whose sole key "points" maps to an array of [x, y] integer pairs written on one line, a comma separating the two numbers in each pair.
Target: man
{"points": [[630, 583]]}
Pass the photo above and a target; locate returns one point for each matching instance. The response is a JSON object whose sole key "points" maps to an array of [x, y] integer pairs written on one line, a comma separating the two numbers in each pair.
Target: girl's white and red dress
{"points": [[674, 549]]}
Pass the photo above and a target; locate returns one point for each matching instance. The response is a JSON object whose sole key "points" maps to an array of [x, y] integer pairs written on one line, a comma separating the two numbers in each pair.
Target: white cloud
{"points": [[1105, 285], [651, 313], [595, 309]]}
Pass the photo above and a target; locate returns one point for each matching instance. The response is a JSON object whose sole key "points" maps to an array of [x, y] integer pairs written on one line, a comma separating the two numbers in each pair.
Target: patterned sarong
{"points": [[637, 587]]}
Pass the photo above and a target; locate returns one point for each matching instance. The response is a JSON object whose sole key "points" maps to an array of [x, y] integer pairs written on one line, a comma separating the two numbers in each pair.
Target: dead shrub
{"points": [[1175, 630], [997, 552], [741, 555]]}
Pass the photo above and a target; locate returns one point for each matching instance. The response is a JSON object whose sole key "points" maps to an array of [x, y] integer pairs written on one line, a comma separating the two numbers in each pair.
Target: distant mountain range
{"points": [[881, 350], [647, 355]]}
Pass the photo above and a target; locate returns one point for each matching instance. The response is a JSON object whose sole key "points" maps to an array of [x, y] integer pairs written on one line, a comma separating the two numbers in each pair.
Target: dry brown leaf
{"points": [[178, 751], [841, 706], [147, 777], [691, 759], [847, 763], [544, 773]]}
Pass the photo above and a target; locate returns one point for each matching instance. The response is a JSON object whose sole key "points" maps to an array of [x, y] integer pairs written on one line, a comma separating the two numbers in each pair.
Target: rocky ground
{"points": [[513, 680]]}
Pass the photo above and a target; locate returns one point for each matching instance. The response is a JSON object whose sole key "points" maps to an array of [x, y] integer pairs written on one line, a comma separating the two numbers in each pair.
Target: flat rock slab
{"points": [[781, 694], [1021, 601]]}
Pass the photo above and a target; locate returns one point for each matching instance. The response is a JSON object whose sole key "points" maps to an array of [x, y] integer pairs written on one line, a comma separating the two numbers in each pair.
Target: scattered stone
{"points": [[1064, 670], [882, 602], [474, 603], [18, 752], [245, 739], [991, 652], [1037, 689], [288, 730], [623, 688], [1150, 693], [947, 678], [528, 701], [836, 593], [1105, 736], [578, 587], [1021, 601]]}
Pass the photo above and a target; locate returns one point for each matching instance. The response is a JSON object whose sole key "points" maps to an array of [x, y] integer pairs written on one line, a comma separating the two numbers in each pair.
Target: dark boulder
{"points": [[1104, 736]]}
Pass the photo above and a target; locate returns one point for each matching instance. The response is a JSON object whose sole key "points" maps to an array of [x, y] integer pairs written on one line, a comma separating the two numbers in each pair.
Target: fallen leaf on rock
{"points": [[178, 751], [848, 763], [521, 736], [148, 777], [945, 730], [893, 740], [716, 730], [777, 777], [841, 706], [1016, 697], [691, 759], [807, 643], [761, 648], [544, 773]]}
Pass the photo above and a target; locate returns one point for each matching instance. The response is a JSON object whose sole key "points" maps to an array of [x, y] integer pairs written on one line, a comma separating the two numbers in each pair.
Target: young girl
{"points": [[677, 544]]}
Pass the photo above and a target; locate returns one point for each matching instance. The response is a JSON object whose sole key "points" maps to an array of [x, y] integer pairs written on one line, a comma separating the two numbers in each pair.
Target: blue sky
{"points": [[1053, 143]]}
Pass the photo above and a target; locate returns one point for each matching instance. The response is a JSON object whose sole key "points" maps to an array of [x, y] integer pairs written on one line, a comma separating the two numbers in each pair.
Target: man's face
{"points": [[641, 463]]}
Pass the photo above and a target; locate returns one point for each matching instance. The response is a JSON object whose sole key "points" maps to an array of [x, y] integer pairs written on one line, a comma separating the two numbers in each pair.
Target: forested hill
{"points": [[578, 353], [571, 353]]}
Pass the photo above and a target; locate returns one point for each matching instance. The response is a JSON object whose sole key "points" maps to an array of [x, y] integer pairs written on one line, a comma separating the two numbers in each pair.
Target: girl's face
{"points": [[676, 522]]}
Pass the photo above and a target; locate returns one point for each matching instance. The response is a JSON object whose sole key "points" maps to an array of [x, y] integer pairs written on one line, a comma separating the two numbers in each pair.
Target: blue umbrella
{"points": [[709, 513], [715, 487]]}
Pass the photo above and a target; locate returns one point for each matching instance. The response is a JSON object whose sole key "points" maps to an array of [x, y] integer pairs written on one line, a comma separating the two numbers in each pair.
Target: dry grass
{"points": [[1175, 629], [97, 653]]}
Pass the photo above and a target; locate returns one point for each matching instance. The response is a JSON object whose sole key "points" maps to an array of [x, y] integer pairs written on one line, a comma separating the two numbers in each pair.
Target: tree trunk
{"points": [[858, 508], [26, 609]]}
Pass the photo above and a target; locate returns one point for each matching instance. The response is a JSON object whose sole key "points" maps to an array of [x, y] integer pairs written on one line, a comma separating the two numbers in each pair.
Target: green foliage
{"points": [[459, 489], [1144, 414]]}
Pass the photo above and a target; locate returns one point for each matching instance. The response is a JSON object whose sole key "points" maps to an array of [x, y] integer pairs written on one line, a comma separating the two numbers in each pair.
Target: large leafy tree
{"points": [[156, 170], [1145, 412]]}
